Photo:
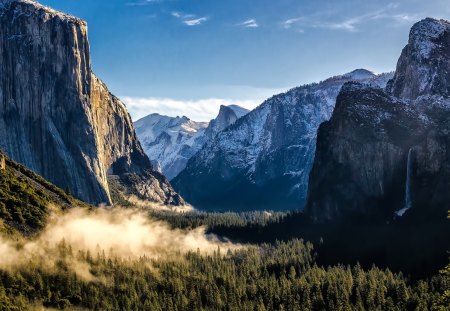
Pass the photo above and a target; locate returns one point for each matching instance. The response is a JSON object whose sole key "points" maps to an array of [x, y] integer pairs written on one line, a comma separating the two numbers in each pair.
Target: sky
{"points": [[188, 57]]}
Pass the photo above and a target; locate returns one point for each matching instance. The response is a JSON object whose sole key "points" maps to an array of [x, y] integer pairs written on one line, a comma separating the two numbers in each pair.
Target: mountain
{"points": [[263, 160], [424, 65], [58, 119], [171, 142], [226, 117], [386, 153]]}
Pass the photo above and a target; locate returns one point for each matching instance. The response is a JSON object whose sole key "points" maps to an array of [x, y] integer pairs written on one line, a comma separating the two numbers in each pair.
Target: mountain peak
{"points": [[31, 5], [236, 110], [430, 27], [183, 119], [359, 74], [223, 108], [424, 65], [425, 34]]}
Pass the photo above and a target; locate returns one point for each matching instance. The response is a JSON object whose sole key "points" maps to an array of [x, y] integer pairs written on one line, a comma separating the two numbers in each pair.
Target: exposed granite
{"points": [[56, 117]]}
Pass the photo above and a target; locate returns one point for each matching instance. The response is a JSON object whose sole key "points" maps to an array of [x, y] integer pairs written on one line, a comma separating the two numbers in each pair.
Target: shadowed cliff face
{"points": [[263, 160], [56, 117], [361, 162], [362, 168]]}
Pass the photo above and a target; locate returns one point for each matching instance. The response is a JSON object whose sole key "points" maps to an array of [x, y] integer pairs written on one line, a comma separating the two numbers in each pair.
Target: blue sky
{"points": [[189, 56]]}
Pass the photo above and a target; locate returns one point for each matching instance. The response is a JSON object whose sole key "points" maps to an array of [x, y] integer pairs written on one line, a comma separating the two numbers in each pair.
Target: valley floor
{"points": [[232, 276]]}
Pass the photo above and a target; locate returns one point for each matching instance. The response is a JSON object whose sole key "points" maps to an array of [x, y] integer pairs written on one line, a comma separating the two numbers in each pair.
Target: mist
{"points": [[126, 234], [159, 207]]}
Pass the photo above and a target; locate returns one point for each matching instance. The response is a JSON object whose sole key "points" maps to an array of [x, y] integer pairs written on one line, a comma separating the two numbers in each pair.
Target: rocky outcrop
{"points": [[56, 116], [385, 153], [264, 159], [171, 142], [226, 117], [424, 65]]}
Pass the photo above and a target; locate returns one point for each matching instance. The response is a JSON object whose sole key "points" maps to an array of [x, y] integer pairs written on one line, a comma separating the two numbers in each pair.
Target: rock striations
{"points": [[170, 142], [263, 160], [385, 153], [58, 118]]}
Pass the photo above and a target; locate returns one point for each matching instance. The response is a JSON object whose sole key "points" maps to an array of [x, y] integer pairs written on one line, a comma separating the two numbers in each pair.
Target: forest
{"points": [[282, 276], [277, 262]]}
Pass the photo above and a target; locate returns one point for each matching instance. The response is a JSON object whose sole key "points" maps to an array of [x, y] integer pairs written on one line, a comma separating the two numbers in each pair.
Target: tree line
{"points": [[280, 276]]}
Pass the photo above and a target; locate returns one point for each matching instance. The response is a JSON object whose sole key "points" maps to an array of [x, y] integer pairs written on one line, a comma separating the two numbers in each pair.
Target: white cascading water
{"points": [[408, 199]]}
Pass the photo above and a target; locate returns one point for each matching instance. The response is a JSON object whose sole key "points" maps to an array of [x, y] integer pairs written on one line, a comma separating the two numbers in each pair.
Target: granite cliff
{"points": [[385, 153], [58, 118]]}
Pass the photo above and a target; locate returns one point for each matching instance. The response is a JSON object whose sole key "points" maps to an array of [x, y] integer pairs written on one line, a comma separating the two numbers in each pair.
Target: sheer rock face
{"points": [[263, 160], [56, 117], [361, 163], [424, 65]]}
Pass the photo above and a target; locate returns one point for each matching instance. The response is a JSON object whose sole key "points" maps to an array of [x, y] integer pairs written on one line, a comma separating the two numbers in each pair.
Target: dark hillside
{"points": [[26, 199]]}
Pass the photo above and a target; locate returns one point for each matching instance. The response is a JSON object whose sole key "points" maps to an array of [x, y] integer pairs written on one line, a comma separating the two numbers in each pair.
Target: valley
{"points": [[329, 196]]}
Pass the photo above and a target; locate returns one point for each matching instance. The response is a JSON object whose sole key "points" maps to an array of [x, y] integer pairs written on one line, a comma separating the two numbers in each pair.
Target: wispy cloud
{"points": [[351, 24], [250, 23], [141, 2], [289, 22], [182, 15], [196, 21], [189, 19], [198, 110]]}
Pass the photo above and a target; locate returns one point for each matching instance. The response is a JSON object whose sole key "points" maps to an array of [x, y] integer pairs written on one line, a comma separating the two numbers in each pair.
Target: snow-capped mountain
{"points": [[171, 142], [387, 152], [263, 160]]}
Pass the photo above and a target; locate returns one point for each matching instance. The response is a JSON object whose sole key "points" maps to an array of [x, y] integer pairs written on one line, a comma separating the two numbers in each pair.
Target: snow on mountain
{"points": [[359, 74], [424, 66], [387, 152], [227, 116], [425, 33], [238, 110], [171, 142], [263, 160]]}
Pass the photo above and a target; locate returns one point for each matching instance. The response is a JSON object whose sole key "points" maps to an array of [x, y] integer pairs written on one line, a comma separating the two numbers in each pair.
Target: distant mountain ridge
{"points": [[171, 142], [263, 160], [58, 119]]}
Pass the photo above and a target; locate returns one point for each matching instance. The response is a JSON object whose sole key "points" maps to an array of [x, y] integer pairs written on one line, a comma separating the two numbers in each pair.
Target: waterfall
{"points": [[409, 168], [408, 200]]}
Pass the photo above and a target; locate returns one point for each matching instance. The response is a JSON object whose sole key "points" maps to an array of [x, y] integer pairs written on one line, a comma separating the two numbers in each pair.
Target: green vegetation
{"points": [[270, 277], [25, 198], [443, 304], [20, 203], [117, 189], [218, 220], [289, 275]]}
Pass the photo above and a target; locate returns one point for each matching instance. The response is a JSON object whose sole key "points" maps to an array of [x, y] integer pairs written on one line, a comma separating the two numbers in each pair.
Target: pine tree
{"points": [[2, 162]]}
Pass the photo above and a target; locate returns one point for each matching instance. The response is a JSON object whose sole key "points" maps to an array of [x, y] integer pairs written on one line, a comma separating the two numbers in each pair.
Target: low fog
{"points": [[159, 207], [123, 233]]}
